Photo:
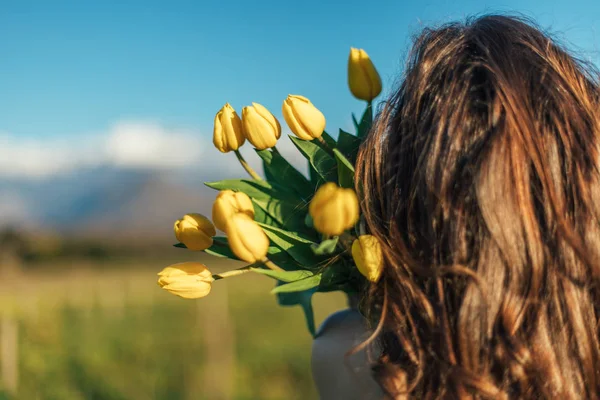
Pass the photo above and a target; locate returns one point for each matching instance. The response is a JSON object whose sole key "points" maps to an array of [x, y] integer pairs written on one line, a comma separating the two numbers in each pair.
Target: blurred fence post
{"points": [[219, 346], [9, 340]]}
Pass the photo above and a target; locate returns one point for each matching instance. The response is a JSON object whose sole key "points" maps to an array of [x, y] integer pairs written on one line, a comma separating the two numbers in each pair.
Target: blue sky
{"points": [[70, 71]]}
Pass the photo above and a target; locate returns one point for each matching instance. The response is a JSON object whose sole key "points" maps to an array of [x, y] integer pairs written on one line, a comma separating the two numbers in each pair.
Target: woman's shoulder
{"points": [[336, 374]]}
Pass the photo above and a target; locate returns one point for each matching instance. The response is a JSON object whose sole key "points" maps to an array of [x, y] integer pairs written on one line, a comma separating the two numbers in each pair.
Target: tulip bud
{"points": [[190, 280], [368, 256], [363, 78], [303, 118], [246, 238], [333, 209], [228, 203], [227, 133], [195, 231], [260, 127]]}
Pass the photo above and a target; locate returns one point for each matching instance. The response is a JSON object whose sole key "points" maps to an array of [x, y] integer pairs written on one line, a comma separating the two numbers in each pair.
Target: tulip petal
{"points": [[195, 239], [235, 136], [244, 204], [200, 222], [186, 268], [372, 76], [218, 137], [334, 209], [292, 121], [270, 118], [246, 238], [188, 280], [228, 203], [261, 138], [195, 231], [353, 208], [304, 119], [176, 229], [311, 119], [356, 80], [339, 209], [363, 79], [227, 131], [368, 256], [323, 195], [189, 287], [258, 130]]}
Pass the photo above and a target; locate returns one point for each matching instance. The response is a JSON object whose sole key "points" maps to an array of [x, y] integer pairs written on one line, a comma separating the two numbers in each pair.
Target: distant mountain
{"points": [[119, 202], [107, 202]]}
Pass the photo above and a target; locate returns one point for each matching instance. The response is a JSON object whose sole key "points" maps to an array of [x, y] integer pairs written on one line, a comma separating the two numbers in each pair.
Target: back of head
{"points": [[481, 179]]}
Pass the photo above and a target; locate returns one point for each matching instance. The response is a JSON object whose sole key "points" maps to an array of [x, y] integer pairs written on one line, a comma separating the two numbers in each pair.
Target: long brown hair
{"points": [[480, 177]]}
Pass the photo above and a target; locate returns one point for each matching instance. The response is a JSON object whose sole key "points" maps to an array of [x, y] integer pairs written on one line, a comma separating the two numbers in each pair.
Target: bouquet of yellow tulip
{"points": [[304, 232]]}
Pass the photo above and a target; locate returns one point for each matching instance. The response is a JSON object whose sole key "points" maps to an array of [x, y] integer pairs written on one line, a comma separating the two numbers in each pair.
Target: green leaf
{"points": [[285, 214], [298, 247], [255, 189], [268, 174], [276, 254], [282, 172], [220, 248], [356, 123], [293, 237], [326, 247], [348, 144], [336, 277], [260, 191], [263, 217], [299, 286], [345, 170], [284, 276], [180, 245], [315, 178], [282, 258], [319, 159], [366, 121], [304, 300]]}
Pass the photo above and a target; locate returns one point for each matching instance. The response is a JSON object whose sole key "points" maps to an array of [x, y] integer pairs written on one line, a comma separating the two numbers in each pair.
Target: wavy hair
{"points": [[480, 177]]}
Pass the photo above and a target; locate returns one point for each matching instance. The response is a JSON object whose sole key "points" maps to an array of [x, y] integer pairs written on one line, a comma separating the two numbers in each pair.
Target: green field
{"points": [[105, 330]]}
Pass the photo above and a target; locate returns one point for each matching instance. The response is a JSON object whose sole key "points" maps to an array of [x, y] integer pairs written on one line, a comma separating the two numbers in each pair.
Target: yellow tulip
{"points": [[246, 238], [303, 118], [190, 280], [260, 127], [368, 256], [334, 209], [227, 134], [195, 231], [363, 78], [228, 203]]}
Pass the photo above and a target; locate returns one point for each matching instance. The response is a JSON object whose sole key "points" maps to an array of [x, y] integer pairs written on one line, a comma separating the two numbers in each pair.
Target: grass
{"points": [[107, 331]]}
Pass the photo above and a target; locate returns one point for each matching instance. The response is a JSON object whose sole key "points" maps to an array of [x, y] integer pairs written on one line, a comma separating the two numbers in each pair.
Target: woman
{"points": [[480, 177]]}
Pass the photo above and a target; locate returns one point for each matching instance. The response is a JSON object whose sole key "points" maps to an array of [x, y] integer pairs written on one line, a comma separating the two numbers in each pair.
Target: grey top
{"points": [[336, 375]]}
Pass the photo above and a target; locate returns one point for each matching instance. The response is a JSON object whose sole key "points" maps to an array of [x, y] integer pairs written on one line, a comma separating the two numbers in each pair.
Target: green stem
{"points": [[246, 166], [325, 145], [275, 150], [234, 272], [270, 264], [346, 240]]}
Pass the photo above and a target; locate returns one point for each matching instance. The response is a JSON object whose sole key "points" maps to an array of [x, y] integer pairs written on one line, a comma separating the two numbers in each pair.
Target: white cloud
{"points": [[130, 144], [40, 157], [150, 145]]}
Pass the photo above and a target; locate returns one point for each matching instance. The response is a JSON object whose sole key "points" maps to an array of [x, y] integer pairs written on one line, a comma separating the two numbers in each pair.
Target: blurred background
{"points": [[106, 112]]}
